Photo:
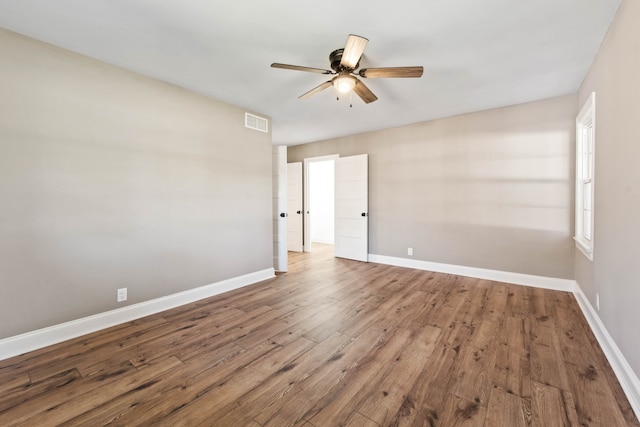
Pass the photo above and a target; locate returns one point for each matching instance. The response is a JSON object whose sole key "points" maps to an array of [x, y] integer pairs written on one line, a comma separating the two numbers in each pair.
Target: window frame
{"points": [[585, 177]]}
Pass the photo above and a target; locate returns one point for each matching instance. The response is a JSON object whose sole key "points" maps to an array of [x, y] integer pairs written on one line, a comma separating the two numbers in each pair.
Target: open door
{"points": [[294, 206], [279, 168], [351, 207]]}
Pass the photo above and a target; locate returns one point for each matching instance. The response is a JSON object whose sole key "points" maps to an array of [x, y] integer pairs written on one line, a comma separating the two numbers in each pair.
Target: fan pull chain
{"points": [[350, 99]]}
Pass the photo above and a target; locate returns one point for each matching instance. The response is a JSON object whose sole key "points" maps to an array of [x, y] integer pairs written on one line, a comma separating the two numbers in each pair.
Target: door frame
{"points": [[306, 220]]}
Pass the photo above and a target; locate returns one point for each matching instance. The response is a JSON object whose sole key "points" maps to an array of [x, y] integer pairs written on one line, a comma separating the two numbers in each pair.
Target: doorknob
{"points": [[363, 214], [282, 214], [298, 212]]}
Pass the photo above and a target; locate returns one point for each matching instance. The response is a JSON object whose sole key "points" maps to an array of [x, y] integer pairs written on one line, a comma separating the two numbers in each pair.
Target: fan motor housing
{"points": [[335, 57]]}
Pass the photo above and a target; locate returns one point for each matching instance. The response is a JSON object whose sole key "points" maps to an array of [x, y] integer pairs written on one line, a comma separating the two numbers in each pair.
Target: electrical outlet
{"points": [[598, 302], [122, 294], [410, 251]]}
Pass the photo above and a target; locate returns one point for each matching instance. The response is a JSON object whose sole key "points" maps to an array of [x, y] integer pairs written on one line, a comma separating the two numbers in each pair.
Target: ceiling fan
{"points": [[344, 63]]}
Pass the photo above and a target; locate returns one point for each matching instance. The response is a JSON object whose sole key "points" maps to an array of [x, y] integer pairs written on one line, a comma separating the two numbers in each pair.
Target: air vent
{"points": [[256, 123]]}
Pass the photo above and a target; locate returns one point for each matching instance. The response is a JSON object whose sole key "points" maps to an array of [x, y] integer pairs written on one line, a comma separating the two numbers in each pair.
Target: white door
{"points": [[279, 168], [351, 206], [294, 206]]}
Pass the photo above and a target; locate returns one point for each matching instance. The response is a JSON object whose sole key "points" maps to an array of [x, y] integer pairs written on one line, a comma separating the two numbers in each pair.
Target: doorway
{"points": [[347, 215], [319, 201]]}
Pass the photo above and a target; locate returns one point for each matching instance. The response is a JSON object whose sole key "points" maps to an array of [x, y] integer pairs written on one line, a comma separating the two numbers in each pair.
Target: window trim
{"points": [[586, 119]]}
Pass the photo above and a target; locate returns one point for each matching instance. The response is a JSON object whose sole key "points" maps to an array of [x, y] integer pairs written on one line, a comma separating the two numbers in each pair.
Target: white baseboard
{"points": [[553, 283], [40, 338], [627, 378]]}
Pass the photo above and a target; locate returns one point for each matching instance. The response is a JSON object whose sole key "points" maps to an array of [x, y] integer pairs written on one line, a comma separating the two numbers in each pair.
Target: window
{"points": [[585, 144]]}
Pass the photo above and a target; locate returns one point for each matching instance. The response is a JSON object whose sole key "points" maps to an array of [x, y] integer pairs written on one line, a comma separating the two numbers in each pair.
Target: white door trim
{"points": [[279, 208]]}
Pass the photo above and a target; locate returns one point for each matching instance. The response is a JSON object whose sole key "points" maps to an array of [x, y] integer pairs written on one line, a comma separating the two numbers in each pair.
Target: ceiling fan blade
{"points": [[364, 92], [372, 73], [300, 68], [353, 50], [315, 90]]}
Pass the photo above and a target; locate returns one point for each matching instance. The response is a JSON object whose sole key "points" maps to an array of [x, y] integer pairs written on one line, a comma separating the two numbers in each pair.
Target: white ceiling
{"points": [[476, 54]]}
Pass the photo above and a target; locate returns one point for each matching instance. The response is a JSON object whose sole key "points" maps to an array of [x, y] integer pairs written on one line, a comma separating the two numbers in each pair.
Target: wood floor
{"points": [[333, 342]]}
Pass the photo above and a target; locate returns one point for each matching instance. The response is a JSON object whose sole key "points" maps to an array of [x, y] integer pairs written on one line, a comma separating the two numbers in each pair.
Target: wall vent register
{"points": [[256, 123]]}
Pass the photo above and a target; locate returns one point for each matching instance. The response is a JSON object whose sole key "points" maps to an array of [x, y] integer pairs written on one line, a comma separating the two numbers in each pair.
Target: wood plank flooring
{"points": [[331, 343]]}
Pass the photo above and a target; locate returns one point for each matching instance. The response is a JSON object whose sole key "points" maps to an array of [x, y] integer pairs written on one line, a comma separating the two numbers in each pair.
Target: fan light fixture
{"points": [[344, 83], [353, 51]]}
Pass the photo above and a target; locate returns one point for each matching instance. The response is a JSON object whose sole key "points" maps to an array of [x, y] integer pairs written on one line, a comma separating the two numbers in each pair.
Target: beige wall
{"points": [[491, 189], [615, 271], [109, 179]]}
